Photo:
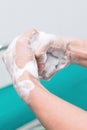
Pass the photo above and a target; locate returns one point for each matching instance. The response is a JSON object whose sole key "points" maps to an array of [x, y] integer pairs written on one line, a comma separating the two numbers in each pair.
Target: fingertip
{"points": [[40, 66], [41, 58], [31, 32]]}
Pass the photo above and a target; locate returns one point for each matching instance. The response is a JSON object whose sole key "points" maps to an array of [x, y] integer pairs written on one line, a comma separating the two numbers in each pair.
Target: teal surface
{"points": [[13, 112], [69, 84]]}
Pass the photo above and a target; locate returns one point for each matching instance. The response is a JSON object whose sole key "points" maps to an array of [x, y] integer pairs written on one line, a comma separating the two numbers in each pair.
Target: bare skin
{"points": [[79, 51], [53, 112]]}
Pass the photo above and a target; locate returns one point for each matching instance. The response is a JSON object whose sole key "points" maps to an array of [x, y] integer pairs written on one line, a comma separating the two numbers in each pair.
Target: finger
{"points": [[46, 75], [28, 36], [23, 55], [24, 52], [41, 52], [40, 66]]}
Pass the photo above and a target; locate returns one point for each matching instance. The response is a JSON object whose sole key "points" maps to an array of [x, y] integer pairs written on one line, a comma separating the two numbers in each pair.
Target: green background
{"points": [[69, 84]]}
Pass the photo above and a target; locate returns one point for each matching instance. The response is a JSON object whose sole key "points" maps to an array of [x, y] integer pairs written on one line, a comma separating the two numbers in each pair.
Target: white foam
{"points": [[22, 87], [53, 64], [30, 67], [42, 39], [54, 61]]}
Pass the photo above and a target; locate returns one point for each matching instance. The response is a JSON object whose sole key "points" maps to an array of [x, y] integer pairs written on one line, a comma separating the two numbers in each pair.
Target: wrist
{"points": [[62, 43], [24, 85], [75, 51], [26, 76]]}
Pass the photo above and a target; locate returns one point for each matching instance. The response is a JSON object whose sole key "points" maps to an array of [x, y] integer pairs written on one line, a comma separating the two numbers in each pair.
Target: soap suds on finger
{"points": [[25, 86]]}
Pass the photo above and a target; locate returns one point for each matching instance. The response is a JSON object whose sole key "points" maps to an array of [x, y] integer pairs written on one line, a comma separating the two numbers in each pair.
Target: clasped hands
{"points": [[50, 53], [35, 55]]}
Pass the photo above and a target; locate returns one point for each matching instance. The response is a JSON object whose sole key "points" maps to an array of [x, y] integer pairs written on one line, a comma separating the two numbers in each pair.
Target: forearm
{"points": [[53, 112], [78, 49]]}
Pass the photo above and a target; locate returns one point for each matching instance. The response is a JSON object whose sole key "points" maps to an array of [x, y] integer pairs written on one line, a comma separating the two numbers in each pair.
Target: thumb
{"points": [[41, 55], [41, 45], [44, 44]]}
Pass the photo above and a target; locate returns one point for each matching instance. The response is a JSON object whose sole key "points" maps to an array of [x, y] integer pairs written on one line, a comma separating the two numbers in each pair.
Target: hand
{"points": [[21, 64], [51, 52]]}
